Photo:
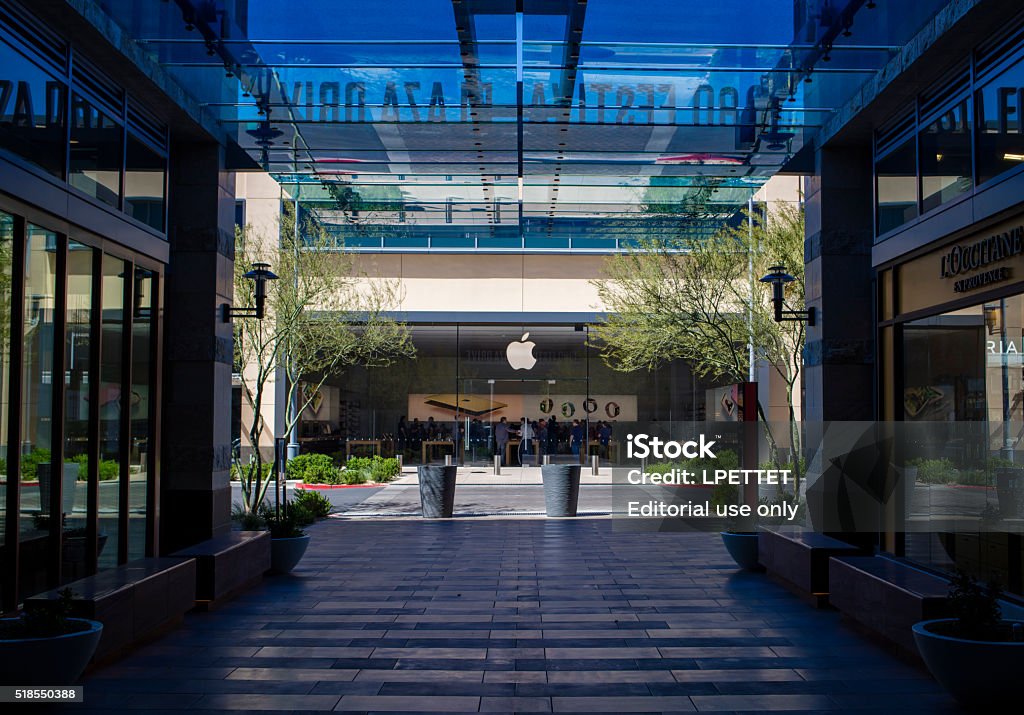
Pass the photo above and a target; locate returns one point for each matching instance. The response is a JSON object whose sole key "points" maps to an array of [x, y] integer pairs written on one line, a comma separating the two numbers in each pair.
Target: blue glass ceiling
{"points": [[538, 123]]}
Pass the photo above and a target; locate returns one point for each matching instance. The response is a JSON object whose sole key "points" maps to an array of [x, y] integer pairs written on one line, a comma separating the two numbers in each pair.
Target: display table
{"points": [[430, 445], [613, 449], [373, 443], [513, 446]]}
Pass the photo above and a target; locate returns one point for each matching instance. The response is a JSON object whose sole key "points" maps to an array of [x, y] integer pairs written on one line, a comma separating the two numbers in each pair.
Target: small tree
{"points": [[692, 299], [322, 316]]}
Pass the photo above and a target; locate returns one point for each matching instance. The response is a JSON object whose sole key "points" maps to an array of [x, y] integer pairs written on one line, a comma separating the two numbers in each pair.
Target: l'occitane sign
{"points": [[979, 262]]}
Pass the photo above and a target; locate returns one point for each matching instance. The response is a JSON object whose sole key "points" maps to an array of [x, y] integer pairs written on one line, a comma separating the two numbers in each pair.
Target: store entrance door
{"points": [[491, 416]]}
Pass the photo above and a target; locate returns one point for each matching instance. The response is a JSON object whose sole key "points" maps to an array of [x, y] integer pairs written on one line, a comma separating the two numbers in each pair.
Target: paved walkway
{"points": [[512, 615]]}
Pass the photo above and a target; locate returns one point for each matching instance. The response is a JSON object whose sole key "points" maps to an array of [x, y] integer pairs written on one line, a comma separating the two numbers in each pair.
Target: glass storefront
{"points": [[466, 380], [957, 390], [75, 398], [94, 137]]}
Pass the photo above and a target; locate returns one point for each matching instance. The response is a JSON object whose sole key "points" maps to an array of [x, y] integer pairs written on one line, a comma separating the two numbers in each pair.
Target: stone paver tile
{"points": [[761, 703], [468, 653], [408, 703], [602, 653], [419, 676], [515, 676], [515, 705], [567, 677], [737, 675], [237, 701], [312, 652], [315, 674], [650, 704]]}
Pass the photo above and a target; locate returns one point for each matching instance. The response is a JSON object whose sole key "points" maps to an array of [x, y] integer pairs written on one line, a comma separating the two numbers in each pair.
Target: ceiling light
{"points": [[1013, 157]]}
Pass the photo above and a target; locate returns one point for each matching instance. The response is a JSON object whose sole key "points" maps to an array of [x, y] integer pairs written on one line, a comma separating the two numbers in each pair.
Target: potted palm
{"points": [[976, 655], [45, 646]]}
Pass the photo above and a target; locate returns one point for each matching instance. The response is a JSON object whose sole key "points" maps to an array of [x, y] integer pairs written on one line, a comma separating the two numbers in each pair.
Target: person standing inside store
{"points": [[576, 437], [501, 438], [604, 437]]}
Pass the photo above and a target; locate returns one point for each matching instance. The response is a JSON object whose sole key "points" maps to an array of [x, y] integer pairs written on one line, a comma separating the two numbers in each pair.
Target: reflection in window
{"points": [[1000, 139], [6, 272], [144, 184], [77, 370], [963, 373], [111, 404], [32, 112], [946, 157], [897, 187], [36, 414], [95, 152], [142, 336]]}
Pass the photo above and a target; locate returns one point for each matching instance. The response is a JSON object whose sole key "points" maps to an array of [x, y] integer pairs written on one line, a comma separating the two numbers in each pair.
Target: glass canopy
{"points": [[511, 124]]}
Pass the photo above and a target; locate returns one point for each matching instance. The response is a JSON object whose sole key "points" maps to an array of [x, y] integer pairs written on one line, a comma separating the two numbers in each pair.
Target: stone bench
{"points": [[134, 601], [886, 597], [228, 564], [799, 560]]}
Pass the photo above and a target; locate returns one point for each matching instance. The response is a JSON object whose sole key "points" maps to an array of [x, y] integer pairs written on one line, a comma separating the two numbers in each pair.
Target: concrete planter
{"points": [[742, 546], [437, 491], [976, 673], [285, 554], [57, 660], [561, 489]]}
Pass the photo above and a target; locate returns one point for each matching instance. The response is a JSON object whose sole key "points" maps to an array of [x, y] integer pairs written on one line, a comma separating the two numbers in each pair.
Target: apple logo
{"points": [[520, 353]]}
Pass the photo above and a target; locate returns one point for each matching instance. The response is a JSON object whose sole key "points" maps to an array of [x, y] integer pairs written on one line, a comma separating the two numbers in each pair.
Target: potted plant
{"points": [[561, 488], [288, 541], [437, 491], [976, 655], [739, 539], [45, 646]]}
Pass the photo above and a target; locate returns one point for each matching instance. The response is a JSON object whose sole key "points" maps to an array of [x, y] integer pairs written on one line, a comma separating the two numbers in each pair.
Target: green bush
{"points": [[31, 461], [247, 520], [359, 470], [354, 476], [3, 466], [935, 471], [109, 468], [312, 469], [317, 504]]}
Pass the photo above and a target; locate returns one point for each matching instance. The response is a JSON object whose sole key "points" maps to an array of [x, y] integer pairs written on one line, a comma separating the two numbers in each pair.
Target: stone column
{"points": [[198, 354], [838, 359]]}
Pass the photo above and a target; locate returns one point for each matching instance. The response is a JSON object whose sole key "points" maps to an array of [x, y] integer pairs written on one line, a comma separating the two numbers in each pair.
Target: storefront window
{"points": [[32, 112], [6, 274], [145, 170], [77, 342], [896, 174], [38, 518], [963, 375], [451, 397], [95, 152], [946, 157], [1000, 135], [141, 401], [112, 404]]}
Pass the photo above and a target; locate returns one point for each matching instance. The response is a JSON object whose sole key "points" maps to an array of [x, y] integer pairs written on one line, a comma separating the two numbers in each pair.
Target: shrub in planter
{"points": [[935, 471], [46, 646], [977, 656], [317, 504], [288, 542], [312, 469], [30, 463], [384, 469]]}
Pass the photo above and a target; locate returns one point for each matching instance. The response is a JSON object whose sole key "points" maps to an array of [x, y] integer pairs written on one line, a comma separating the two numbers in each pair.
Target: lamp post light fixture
{"points": [[259, 274], [778, 278]]}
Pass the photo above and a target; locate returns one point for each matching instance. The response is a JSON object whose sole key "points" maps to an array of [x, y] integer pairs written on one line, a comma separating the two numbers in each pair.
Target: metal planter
{"points": [[561, 488], [437, 491]]}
